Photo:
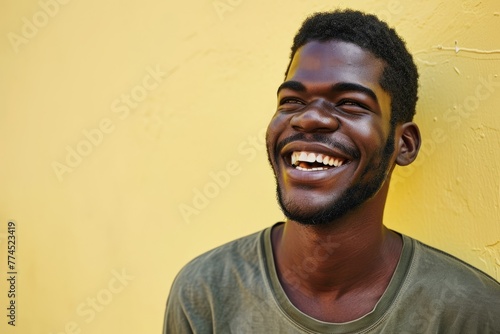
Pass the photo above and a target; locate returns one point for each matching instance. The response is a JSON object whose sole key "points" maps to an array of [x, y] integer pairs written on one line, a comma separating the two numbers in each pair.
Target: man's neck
{"points": [[344, 266]]}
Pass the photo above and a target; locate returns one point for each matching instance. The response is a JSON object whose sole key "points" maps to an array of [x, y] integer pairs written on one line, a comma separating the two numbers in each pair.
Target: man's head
{"points": [[400, 76], [343, 117]]}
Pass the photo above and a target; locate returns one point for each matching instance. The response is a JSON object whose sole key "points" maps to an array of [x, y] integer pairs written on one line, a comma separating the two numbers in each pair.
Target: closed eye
{"points": [[349, 105], [291, 100]]}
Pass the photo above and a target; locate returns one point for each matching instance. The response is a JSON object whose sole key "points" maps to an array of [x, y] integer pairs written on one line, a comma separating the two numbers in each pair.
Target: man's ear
{"points": [[408, 144]]}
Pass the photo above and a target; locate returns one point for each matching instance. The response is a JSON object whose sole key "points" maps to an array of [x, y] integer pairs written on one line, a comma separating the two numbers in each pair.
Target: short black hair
{"points": [[400, 76]]}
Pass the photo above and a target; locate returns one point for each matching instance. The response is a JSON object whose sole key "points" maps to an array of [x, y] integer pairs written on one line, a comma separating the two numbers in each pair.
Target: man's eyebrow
{"points": [[293, 85], [349, 87], [338, 87]]}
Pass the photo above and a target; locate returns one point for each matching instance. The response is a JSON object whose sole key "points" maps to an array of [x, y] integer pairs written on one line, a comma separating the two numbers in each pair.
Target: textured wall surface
{"points": [[131, 137]]}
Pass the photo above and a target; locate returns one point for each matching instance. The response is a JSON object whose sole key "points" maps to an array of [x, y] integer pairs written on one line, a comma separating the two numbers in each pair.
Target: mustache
{"points": [[319, 138]]}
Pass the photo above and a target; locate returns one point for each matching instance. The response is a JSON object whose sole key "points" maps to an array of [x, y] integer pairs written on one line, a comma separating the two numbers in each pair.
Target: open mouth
{"points": [[310, 161]]}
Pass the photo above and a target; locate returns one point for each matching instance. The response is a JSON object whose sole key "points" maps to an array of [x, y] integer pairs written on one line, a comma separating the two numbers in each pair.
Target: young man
{"points": [[344, 120]]}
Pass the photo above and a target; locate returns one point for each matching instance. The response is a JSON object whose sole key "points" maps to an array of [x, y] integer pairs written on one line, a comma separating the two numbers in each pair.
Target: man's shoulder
{"points": [[443, 293], [436, 268], [216, 265]]}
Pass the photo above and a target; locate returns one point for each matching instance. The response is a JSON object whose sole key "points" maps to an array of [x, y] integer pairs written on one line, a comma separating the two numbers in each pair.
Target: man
{"points": [[343, 121]]}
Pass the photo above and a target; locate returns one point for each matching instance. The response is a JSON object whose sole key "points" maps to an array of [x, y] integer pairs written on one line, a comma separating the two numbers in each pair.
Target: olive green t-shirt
{"points": [[235, 289]]}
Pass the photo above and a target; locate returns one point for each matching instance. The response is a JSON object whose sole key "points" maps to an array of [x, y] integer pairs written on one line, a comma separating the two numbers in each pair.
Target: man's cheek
{"points": [[369, 134], [272, 134]]}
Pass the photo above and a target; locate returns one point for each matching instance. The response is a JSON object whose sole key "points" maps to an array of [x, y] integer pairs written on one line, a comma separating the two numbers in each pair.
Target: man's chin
{"points": [[308, 216], [316, 214], [313, 220], [308, 220]]}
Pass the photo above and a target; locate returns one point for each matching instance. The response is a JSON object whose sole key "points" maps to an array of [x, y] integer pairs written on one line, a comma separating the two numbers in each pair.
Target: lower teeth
{"points": [[310, 169]]}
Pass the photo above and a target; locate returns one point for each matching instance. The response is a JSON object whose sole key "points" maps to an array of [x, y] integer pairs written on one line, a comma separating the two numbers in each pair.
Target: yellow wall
{"points": [[200, 78]]}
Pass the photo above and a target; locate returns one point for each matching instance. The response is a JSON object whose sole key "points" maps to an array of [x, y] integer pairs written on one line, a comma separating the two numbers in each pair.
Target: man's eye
{"points": [[289, 100], [350, 104]]}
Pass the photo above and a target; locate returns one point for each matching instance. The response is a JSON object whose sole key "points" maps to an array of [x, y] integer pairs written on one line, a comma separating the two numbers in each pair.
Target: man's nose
{"points": [[316, 117]]}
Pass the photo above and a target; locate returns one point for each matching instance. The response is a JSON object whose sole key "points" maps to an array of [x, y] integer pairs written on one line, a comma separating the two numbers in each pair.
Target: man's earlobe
{"points": [[409, 143]]}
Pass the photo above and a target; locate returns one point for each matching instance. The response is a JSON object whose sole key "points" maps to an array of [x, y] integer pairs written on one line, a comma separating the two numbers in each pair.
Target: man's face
{"points": [[330, 142]]}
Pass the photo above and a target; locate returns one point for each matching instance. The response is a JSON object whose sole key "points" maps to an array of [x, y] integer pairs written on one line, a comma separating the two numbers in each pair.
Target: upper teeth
{"points": [[326, 160]]}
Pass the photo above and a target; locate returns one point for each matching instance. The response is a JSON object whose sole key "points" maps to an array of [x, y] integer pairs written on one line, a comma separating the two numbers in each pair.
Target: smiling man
{"points": [[343, 122]]}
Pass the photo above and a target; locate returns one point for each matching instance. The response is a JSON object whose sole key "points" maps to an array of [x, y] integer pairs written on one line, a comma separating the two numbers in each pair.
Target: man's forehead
{"points": [[316, 54], [335, 61]]}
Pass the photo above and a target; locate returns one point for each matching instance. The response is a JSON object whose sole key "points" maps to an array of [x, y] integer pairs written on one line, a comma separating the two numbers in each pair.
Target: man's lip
{"points": [[315, 178], [289, 148]]}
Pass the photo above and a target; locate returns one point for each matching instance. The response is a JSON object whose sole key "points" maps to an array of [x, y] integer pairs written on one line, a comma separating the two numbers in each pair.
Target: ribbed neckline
{"points": [[309, 324]]}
